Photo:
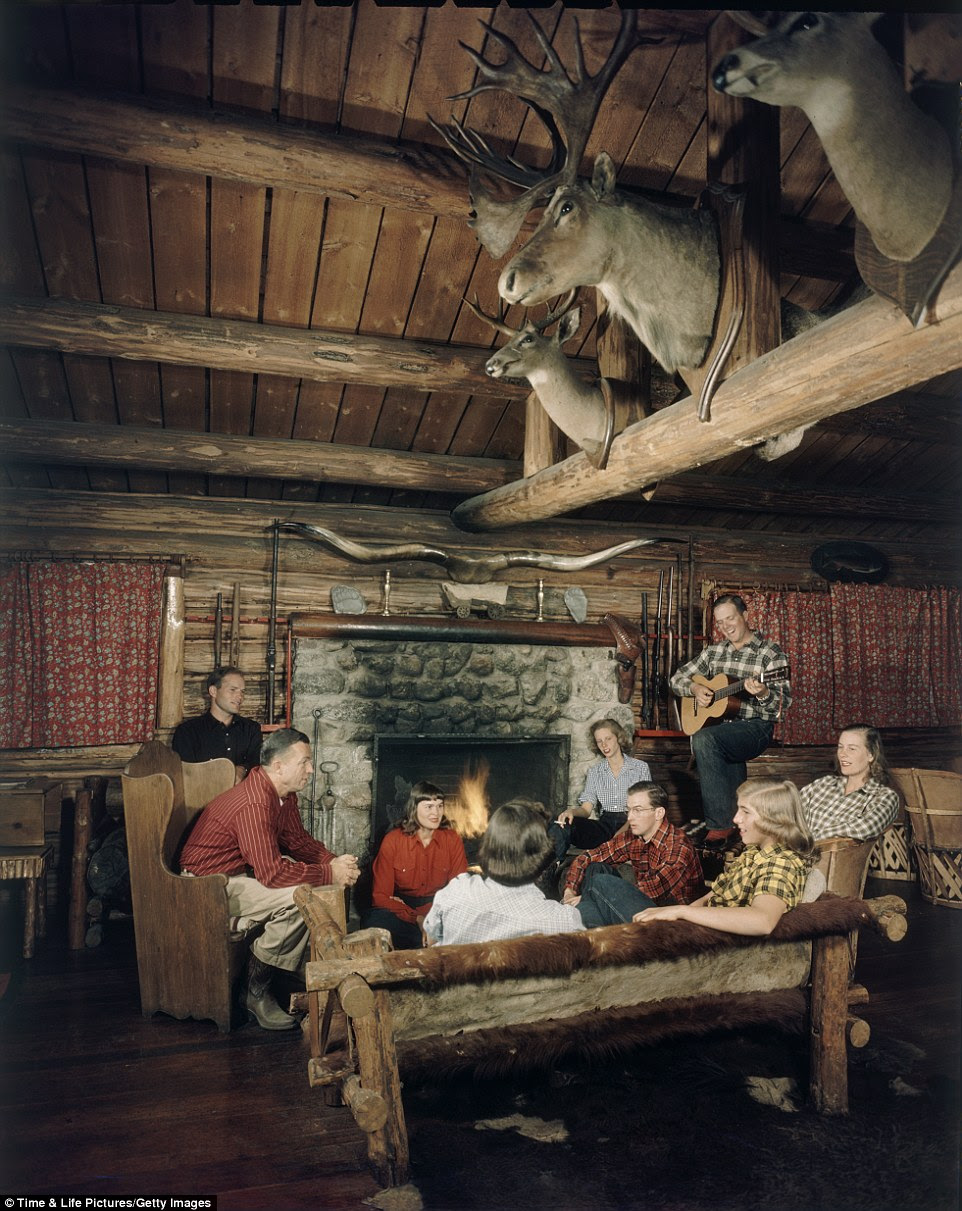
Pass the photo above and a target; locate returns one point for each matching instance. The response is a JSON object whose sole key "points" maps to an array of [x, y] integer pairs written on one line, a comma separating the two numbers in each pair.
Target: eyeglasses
{"points": [[639, 810]]}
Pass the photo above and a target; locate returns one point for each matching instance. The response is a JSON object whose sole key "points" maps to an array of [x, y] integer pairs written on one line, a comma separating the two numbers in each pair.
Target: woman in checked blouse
{"points": [[767, 878], [857, 800]]}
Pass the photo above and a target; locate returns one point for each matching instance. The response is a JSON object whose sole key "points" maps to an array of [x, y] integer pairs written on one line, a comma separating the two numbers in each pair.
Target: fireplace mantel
{"points": [[447, 629]]}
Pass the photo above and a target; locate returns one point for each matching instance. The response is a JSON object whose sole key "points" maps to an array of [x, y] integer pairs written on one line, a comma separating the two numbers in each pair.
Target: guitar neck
{"points": [[736, 687]]}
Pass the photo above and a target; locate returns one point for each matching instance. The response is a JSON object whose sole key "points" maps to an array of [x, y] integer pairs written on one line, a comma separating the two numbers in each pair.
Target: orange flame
{"points": [[468, 809]]}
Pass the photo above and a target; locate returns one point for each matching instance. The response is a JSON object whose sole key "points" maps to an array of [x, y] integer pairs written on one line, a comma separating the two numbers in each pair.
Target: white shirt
{"points": [[472, 908]]}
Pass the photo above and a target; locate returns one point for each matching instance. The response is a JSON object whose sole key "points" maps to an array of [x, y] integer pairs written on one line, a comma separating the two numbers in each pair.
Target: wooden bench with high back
{"points": [[188, 956], [525, 1002]]}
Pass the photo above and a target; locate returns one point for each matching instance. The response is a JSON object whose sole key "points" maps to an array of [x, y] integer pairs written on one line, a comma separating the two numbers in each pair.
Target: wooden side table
{"points": [[29, 864]]}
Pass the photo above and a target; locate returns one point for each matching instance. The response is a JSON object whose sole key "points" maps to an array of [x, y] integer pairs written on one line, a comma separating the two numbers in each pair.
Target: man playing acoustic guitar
{"points": [[725, 737]]}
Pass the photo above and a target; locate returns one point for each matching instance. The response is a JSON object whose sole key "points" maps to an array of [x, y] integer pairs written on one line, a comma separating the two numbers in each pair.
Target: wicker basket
{"points": [[892, 856], [936, 826]]}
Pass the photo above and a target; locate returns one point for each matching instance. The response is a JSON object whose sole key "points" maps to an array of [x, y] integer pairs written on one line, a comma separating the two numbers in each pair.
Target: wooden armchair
{"points": [[187, 955]]}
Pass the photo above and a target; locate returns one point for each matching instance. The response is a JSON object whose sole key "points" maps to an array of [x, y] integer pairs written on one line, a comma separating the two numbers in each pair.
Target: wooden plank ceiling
{"points": [[240, 232]]}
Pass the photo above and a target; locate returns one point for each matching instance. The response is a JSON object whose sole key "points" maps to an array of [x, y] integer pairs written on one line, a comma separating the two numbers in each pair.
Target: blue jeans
{"points": [[607, 899], [584, 833], [720, 754]]}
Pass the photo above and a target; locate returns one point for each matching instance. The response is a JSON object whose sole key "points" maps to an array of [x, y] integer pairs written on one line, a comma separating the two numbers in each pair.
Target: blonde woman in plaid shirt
{"points": [[767, 878]]}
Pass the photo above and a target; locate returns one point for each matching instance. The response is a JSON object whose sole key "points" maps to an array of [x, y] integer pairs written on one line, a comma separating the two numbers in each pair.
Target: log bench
{"points": [[523, 1003]]}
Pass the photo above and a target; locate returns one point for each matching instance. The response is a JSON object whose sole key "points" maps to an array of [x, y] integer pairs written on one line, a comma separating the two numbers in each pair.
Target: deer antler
{"points": [[566, 106], [558, 312], [498, 321]]}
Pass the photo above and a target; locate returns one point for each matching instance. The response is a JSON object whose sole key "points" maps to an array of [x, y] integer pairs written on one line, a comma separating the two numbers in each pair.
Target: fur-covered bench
{"points": [[526, 1002]]}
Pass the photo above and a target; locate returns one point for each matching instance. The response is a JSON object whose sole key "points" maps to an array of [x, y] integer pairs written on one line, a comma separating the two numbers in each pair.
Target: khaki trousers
{"points": [[284, 940]]}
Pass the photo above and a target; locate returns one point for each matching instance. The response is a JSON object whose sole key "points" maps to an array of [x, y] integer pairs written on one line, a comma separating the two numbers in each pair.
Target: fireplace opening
{"points": [[475, 774]]}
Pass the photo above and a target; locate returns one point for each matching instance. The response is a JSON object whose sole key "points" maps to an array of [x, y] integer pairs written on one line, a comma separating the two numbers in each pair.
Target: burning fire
{"points": [[468, 809]]}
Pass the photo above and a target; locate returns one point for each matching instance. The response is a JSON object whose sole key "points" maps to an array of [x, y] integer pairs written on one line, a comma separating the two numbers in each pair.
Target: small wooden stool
{"points": [[29, 864]]}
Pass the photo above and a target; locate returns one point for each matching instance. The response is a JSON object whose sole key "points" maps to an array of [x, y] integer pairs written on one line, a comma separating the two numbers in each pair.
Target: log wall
{"points": [[224, 542]]}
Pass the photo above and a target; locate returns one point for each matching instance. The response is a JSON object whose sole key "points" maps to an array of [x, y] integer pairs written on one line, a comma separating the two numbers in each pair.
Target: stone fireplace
{"points": [[389, 701]]}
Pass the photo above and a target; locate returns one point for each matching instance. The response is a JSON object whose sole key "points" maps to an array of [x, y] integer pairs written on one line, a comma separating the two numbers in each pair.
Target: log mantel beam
{"points": [[415, 177], [863, 354]]}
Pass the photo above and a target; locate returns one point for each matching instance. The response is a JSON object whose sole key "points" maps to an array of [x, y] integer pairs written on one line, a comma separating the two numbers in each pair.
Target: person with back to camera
{"points": [[418, 856], [857, 800], [767, 878], [721, 750], [606, 787], [503, 901]]}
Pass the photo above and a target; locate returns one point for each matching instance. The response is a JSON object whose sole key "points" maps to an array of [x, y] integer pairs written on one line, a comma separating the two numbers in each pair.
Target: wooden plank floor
{"points": [[99, 1102]]}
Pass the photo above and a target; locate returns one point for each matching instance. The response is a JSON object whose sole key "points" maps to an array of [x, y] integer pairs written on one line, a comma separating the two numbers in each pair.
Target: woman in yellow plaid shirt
{"points": [[764, 881]]}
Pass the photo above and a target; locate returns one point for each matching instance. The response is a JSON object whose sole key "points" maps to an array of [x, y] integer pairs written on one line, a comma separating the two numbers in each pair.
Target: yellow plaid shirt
{"points": [[778, 871]]}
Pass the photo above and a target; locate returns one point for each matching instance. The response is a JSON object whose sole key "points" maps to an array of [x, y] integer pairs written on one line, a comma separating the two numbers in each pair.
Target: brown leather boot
{"points": [[259, 1001]]}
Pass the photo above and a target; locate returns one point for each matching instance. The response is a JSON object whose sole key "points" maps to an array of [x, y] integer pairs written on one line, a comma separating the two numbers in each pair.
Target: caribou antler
{"points": [[566, 106]]}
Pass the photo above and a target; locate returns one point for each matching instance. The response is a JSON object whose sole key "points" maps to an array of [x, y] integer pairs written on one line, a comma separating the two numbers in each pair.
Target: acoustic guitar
{"points": [[726, 701]]}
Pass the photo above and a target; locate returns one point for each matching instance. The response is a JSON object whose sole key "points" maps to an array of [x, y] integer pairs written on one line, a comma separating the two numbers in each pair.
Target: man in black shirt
{"points": [[221, 731]]}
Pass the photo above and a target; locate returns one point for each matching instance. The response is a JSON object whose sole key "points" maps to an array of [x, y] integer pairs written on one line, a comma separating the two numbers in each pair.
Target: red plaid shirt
{"points": [[666, 868]]}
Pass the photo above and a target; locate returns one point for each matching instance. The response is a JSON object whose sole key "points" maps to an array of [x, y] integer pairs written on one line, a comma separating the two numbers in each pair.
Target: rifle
{"points": [[656, 654], [645, 692], [669, 641]]}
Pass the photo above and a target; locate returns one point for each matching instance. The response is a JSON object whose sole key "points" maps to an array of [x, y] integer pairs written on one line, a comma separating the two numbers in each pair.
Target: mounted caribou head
{"points": [[656, 266], [892, 160]]}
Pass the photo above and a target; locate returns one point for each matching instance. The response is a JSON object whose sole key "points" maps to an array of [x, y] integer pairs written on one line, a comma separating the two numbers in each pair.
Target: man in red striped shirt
{"points": [[253, 834]]}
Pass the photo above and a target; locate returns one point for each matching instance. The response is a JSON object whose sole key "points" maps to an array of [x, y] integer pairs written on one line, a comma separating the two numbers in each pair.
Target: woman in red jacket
{"points": [[418, 857]]}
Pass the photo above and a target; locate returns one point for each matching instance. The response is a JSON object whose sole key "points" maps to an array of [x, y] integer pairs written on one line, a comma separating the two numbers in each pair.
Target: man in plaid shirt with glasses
{"points": [[721, 751]]}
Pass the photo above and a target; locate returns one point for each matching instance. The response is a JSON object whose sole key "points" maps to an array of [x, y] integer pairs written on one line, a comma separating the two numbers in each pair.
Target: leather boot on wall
{"points": [[258, 999]]}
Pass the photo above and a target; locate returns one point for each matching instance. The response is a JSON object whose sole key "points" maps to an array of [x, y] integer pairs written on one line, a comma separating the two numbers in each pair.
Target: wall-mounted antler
{"points": [[566, 106]]}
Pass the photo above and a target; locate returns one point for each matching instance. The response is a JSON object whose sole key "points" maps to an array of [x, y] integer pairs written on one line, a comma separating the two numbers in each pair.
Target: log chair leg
{"points": [[30, 894], [829, 1016], [387, 1147]]}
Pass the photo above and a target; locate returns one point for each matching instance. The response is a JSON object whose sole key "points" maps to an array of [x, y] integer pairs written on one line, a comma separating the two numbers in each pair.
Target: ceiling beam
{"points": [[139, 448], [745, 495], [413, 176], [158, 449], [99, 330], [865, 353]]}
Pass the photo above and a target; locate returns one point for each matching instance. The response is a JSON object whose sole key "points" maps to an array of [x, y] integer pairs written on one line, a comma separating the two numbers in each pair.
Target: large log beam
{"points": [[414, 177], [272, 458], [865, 353], [128, 332], [79, 444]]}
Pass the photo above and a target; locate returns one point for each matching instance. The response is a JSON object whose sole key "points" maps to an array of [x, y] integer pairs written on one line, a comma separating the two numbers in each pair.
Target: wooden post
{"points": [[828, 1020], [743, 150], [543, 443], [77, 912], [170, 677]]}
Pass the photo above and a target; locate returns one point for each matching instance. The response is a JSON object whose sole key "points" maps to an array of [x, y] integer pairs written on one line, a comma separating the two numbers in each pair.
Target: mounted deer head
{"points": [[577, 408], [893, 161]]}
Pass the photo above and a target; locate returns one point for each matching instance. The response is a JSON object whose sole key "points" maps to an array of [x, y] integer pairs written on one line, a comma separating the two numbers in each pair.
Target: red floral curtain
{"points": [[897, 656], [801, 624], [78, 653]]}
